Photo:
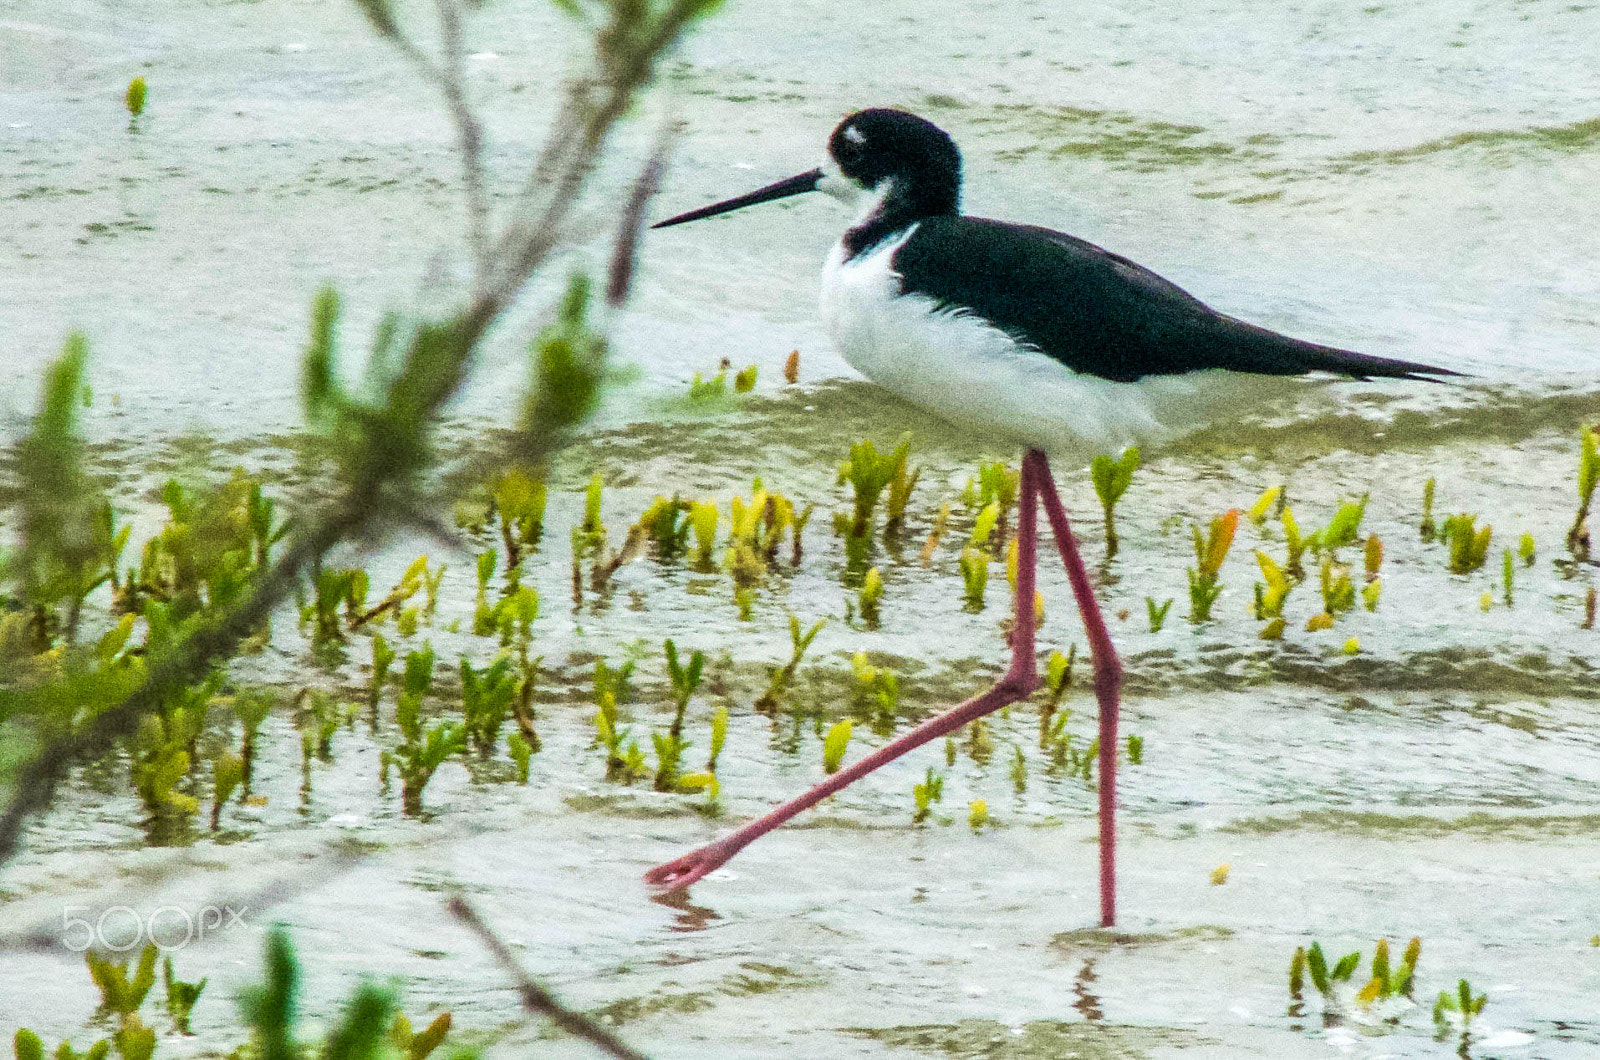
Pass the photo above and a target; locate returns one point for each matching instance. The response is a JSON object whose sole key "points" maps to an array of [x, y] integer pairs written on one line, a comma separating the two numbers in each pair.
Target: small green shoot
{"points": [[781, 677], [1390, 980], [1461, 1007], [181, 997], [1428, 528], [227, 772], [1258, 512], [1527, 550], [1019, 771], [871, 594], [1468, 543], [974, 564], [1508, 576], [1157, 613], [1210, 551], [745, 381], [134, 97], [835, 744], [978, 815], [925, 794], [901, 484], [1111, 480], [868, 472], [1578, 541], [521, 755]]}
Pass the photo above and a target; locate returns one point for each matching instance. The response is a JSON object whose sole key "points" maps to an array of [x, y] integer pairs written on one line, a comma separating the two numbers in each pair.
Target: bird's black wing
{"points": [[1099, 313]]}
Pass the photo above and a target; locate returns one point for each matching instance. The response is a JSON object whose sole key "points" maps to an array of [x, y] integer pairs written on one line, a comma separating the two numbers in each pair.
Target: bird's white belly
{"points": [[975, 375]]}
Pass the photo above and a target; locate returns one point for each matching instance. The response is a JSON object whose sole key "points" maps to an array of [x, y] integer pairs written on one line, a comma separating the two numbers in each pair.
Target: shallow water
{"points": [[1412, 181]]}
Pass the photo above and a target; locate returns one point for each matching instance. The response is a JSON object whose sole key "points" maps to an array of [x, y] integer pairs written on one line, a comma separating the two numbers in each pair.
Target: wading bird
{"points": [[1025, 332]]}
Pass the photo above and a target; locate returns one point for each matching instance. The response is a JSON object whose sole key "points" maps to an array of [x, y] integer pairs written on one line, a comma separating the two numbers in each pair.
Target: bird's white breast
{"points": [[963, 369]]}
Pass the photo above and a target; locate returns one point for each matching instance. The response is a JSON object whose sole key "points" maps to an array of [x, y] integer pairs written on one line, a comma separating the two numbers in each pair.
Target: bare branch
{"points": [[535, 998], [620, 278]]}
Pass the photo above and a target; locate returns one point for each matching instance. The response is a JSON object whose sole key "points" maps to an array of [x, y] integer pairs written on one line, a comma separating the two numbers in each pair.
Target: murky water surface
{"points": [[1414, 180]]}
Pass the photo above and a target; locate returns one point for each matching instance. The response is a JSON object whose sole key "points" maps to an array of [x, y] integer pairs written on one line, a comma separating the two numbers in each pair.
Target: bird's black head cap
{"points": [[871, 146]]}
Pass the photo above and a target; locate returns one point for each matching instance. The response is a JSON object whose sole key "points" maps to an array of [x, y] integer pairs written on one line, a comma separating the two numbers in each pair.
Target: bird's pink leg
{"points": [[1107, 685], [1019, 682]]}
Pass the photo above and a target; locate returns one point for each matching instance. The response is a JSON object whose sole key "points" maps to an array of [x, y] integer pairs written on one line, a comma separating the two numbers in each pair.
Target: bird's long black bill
{"points": [[796, 185]]}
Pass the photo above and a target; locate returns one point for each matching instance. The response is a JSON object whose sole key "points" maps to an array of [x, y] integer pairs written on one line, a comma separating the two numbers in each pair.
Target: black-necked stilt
{"points": [[1022, 330]]}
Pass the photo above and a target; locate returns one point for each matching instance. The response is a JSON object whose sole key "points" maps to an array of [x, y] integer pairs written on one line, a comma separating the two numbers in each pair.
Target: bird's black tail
{"points": [[1266, 352]]}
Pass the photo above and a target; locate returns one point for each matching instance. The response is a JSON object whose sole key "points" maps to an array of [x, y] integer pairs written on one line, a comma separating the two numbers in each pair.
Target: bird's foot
{"points": [[692, 867]]}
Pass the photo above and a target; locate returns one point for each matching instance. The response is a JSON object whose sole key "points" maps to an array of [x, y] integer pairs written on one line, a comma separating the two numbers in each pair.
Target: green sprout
{"points": [[1296, 544], [879, 686], [1111, 481], [978, 815], [974, 564], [592, 497], [1057, 679], [486, 697], [1588, 477], [519, 499], [1527, 550], [1323, 977], [251, 708], [1508, 575], [1271, 592], [868, 472], [181, 997], [134, 98], [871, 594], [422, 748], [227, 771], [121, 994], [670, 748], [1019, 771], [745, 381], [1210, 551], [521, 755], [1469, 544], [835, 744], [1136, 750], [418, 1045], [703, 390], [782, 676], [925, 794], [1345, 526], [1461, 1006], [1157, 613], [1257, 512], [383, 657], [901, 485], [703, 516], [719, 737], [1338, 592], [1390, 981], [1427, 527]]}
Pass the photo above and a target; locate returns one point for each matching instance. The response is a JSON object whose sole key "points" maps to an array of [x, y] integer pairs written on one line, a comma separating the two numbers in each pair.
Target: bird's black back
{"points": [[1099, 313]]}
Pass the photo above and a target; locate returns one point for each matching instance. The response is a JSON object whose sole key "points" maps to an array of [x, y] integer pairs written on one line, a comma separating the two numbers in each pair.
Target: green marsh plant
{"points": [[685, 681], [1210, 550], [1578, 540], [781, 677], [1112, 477], [1467, 542], [835, 744], [925, 794]]}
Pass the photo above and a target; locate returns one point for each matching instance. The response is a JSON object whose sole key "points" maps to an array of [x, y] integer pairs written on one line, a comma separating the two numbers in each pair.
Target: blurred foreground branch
{"points": [[535, 998]]}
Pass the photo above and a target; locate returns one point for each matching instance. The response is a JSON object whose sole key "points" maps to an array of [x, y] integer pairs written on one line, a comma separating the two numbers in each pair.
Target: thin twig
{"points": [[535, 998], [469, 131], [620, 278]]}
